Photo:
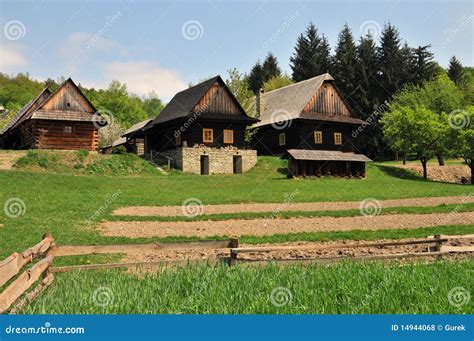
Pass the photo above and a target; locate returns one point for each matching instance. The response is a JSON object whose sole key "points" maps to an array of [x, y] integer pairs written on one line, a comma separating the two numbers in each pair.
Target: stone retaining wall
{"points": [[221, 160]]}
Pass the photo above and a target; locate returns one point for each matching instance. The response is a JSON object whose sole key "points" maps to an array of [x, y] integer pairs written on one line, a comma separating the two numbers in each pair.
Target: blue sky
{"points": [[164, 45]]}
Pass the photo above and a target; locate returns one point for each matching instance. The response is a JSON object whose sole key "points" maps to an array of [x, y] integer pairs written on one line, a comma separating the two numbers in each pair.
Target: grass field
{"points": [[347, 288], [71, 204]]}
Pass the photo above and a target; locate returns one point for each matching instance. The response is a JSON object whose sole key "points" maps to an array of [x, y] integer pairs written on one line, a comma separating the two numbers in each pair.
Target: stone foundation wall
{"points": [[221, 160]]}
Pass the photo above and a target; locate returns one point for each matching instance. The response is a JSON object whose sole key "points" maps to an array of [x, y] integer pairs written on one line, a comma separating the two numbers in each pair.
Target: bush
{"points": [[119, 150]]}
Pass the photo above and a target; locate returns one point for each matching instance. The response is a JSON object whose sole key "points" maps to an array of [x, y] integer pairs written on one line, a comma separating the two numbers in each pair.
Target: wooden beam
{"points": [[20, 285], [11, 266], [143, 264], [46, 282], [74, 250], [329, 260], [460, 249], [334, 246]]}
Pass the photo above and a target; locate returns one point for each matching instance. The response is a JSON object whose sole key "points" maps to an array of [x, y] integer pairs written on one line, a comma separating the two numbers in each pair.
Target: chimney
{"points": [[259, 102]]}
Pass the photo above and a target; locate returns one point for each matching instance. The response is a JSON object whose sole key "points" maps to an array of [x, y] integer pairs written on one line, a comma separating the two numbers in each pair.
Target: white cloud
{"points": [[11, 57], [81, 47], [143, 77]]}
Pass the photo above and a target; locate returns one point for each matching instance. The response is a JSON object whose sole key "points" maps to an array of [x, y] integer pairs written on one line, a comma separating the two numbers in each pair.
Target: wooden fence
{"points": [[16, 294]]}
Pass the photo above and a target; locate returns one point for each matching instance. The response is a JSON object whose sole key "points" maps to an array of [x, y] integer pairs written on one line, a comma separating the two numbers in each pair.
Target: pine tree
{"points": [[407, 65], [255, 78], [424, 66], [455, 71], [366, 74], [345, 63], [390, 61], [270, 68], [311, 56]]}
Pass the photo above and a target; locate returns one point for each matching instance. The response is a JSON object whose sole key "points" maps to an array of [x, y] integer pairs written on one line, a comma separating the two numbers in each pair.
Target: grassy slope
{"points": [[62, 204], [347, 288]]}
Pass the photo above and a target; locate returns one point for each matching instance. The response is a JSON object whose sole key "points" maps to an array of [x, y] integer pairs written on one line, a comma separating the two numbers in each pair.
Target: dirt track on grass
{"points": [[8, 159], [203, 254], [171, 211], [268, 227]]}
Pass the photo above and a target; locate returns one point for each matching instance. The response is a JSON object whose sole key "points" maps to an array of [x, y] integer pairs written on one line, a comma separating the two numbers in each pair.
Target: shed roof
{"points": [[325, 155], [293, 98], [137, 127]]}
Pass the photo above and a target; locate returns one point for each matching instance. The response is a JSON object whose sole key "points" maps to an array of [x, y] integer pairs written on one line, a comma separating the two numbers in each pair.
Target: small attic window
{"points": [[68, 104]]}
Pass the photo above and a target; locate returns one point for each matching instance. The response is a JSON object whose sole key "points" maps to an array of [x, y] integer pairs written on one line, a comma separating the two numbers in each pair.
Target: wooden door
{"points": [[204, 164]]}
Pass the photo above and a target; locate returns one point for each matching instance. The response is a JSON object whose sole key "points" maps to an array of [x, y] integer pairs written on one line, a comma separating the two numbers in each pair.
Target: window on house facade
{"points": [[282, 139], [208, 135], [67, 129], [228, 136], [177, 139], [337, 138], [318, 137]]}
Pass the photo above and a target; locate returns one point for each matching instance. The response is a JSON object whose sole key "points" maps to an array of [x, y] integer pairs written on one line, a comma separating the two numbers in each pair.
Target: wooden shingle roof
{"points": [[325, 155], [292, 99], [183, 104]]}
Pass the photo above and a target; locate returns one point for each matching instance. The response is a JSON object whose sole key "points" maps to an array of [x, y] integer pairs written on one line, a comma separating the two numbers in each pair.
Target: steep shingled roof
{"points": [[184, 102], [293, 98]]}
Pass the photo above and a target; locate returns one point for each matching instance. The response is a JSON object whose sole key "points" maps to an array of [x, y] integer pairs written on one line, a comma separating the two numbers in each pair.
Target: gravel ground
{"points": [[447, 173], [268, 227], [171, 211]]}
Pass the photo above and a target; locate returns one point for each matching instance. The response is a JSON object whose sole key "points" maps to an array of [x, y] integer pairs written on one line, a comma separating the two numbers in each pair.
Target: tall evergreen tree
{"points": [[255, 78], [390, 61], [345, 63], [270, 68], [424, 66], [455, 71], [311, 56], [407, 65], [367, 72]]}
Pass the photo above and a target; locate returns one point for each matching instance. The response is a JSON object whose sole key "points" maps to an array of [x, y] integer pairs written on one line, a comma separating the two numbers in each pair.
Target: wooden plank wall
{"points": [[68, 98], [50, 135], [327, 101], [218, 100]]}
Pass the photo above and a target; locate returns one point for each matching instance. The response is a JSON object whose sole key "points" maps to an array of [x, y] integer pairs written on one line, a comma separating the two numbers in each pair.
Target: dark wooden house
{"points": [[309, 116], [202, 128], [63, 119]]}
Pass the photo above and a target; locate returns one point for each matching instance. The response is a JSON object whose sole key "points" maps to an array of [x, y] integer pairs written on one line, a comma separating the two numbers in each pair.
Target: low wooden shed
{"points": [[304, 162]]}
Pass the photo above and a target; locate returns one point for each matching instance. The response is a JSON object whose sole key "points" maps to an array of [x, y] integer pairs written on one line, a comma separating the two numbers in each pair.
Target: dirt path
{"points": [[171, 211], [291, 254], [7, 159], [447, 173], [268, 227]]}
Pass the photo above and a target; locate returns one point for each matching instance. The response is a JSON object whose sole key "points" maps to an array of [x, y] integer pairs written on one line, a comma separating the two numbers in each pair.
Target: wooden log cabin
{"points": [[311, 124], [63, 119], [202, 130]]}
